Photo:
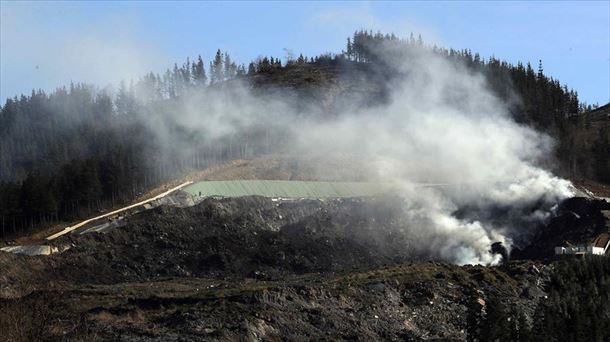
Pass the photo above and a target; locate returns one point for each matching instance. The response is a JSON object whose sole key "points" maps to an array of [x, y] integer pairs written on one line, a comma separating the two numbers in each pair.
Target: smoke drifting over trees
{"points": [[397, 110], [442, 124]]}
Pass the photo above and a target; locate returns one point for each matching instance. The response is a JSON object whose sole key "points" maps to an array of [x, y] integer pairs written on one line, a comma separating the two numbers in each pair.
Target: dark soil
{"points": [[240, 237], [256, 269]]}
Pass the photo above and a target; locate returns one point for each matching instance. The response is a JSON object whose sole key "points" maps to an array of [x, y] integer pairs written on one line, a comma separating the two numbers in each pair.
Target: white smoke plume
{"points": [[441, 125], [444, 126]]}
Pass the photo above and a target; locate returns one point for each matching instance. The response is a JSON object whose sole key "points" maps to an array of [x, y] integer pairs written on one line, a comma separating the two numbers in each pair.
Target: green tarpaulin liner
{"points": [[286, 189]]}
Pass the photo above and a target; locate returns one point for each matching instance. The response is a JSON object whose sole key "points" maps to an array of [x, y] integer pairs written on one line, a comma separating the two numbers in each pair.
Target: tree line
{"points": [[534, 99], [80, 149]]}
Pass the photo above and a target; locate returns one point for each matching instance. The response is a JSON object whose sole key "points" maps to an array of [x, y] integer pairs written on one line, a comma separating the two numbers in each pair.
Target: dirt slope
{"points": [[256, 269]]}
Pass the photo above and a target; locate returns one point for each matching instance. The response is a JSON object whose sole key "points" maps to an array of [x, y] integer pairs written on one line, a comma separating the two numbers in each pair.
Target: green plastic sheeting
{"points": [[286, 189]]}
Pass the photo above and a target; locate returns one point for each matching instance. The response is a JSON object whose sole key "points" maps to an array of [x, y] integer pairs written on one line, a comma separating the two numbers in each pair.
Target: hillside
{"points": [[257, 268], [94, 150], [390, 191]]}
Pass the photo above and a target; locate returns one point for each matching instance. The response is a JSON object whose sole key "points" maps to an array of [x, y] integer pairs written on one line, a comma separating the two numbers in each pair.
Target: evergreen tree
{"points": [[241, 70], [216, 68], [199, 75], [350, 49], [251, 68], [125, 99], [230, 68], [602, 156], [540, 74], [301, 59]]}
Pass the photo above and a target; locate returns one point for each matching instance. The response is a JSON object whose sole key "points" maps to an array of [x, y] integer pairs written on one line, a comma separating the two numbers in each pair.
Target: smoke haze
{"points": [[440, 124]]}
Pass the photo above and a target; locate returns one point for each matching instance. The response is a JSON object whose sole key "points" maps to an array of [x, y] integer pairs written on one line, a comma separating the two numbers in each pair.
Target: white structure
{"points": [[598, 247], [580, 250], [31, 250]]}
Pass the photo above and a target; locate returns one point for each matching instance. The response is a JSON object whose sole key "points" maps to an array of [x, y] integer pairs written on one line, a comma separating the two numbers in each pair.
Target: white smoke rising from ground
{"points": [[442, 125]]}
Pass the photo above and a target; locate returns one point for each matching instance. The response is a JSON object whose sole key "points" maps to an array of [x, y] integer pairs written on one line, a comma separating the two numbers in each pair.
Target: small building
{"points": [[599, 246]]}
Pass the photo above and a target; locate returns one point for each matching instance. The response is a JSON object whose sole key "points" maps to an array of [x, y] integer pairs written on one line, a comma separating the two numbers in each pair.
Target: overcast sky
{"points": [[48, 44]]}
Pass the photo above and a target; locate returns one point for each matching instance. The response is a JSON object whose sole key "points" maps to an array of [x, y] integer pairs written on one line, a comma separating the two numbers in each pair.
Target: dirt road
{"points": [[78, 225]]}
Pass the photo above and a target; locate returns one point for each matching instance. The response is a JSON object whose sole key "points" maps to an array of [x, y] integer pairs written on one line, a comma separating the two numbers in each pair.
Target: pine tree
{"points": [[216, 68], [350, 49], [124, 100], [301, 59], [229, 67], [241, 70], [178, 81], [602, 156], [251, 68], [199, 76], [187, 77], [264, 65]]}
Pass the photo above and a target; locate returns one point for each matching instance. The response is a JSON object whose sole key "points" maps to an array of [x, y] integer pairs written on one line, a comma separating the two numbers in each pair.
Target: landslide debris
{"points": [[237, 237], [405, 302], [256, 268]]}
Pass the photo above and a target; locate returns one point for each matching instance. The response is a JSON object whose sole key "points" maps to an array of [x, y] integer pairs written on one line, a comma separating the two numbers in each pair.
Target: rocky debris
{"points": [[405, 302], [258, 269], [239, 237]]}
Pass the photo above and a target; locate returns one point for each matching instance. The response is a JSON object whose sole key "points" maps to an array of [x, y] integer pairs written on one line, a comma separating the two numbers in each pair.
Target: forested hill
{"points": [[79, 148]]}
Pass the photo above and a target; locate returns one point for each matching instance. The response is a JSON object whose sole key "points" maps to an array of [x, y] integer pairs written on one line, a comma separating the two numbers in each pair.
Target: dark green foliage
{"points": [[493, 321], [216, 68], [497, 324], [577, 307], [601, 155]]}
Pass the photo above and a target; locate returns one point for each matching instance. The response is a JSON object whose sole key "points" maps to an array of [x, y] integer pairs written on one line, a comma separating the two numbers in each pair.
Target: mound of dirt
{"points": [[237, 237], [260, 238]]}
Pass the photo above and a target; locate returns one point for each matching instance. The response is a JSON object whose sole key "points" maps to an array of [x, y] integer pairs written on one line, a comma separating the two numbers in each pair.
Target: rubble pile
{"points": [[261, 268]]}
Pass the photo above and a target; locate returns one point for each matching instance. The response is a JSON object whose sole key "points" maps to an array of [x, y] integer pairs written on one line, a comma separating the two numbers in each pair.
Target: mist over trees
{"points": [[80, 149]]}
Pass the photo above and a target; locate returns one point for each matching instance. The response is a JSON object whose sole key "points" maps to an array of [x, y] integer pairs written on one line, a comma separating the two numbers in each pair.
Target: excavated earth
{"points": [[254, 268]]}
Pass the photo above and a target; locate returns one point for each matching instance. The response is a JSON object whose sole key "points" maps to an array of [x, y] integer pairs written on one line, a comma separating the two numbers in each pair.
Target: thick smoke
{"points": [[440, 125], [443, 126]]}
